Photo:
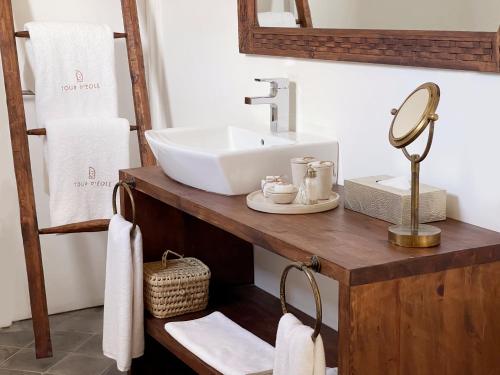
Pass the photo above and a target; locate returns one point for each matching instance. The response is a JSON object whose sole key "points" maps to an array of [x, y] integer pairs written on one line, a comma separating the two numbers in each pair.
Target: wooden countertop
{"points": [[352, 247]]}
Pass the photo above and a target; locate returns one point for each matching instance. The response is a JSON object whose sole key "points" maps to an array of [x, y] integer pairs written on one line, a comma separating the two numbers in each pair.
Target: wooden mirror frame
{"points": [[462, 50]]}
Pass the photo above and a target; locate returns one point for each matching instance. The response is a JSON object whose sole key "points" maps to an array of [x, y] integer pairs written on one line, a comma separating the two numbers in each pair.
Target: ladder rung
{"points": [[26, 34], [28, 93], [43, 131], [86, 226]]}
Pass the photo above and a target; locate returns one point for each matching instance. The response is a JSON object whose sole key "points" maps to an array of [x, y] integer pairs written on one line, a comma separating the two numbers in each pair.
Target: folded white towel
{"points": [[296, 353], [123, 327], [83, 158], [276, 19], [74, 69], [223, 344]]}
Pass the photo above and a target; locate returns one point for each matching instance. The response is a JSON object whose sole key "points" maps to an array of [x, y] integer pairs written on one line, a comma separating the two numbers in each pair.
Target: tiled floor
{"points": [[76, 340]]}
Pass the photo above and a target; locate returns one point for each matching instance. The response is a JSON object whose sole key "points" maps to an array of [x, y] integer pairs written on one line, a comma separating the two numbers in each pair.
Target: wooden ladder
{"points": [[22, 165]]}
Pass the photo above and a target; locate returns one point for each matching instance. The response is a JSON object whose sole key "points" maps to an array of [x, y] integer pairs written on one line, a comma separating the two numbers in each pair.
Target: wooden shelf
{"points": [[396, 305], [353, 248], [252, 308]]}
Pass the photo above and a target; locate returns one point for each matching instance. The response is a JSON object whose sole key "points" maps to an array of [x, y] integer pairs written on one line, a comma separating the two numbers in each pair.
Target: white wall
{"points": [[207, 80], [74, 264]]}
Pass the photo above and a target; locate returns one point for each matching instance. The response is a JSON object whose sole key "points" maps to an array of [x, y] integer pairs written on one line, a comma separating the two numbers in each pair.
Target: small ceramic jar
{"points": [[299, 169], [324, 173]]}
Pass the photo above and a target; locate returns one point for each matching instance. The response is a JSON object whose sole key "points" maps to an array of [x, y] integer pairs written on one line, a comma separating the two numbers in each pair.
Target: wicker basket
{"points": [[175, 286]]}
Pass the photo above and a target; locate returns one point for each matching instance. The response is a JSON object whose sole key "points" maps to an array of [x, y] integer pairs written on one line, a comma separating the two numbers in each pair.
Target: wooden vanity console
{"points": [[401, 311]]}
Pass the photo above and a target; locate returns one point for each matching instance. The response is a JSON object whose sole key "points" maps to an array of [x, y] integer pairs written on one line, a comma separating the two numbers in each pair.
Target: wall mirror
{"points": [[453, 34]]}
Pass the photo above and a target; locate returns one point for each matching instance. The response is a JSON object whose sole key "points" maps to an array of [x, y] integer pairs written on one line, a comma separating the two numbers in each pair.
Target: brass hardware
{"points": [[306, 268], [434, 117], [416, 235], [127, 185], [423, 121]]}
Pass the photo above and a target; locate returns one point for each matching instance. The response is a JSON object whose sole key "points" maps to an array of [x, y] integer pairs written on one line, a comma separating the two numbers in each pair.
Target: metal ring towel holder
{"points": [[126, 186], [306, 268]]}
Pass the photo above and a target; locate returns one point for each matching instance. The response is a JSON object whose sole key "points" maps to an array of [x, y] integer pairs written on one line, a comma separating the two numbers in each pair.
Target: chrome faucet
{"points": [[279, 100]]}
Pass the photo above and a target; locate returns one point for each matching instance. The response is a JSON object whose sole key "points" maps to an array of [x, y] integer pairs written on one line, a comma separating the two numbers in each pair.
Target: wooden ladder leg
{"points": [[22, 166], [138, 76]]}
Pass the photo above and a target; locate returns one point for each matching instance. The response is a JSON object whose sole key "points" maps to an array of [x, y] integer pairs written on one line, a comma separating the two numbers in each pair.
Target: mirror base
{"points": [[427, 236]]}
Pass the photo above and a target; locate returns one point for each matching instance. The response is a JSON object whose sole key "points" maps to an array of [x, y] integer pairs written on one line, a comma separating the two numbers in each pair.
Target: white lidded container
{"points": [[324, 172], [299, 169]]}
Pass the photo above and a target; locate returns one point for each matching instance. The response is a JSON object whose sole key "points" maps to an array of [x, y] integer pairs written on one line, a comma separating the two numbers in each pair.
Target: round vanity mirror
{"points": [[414, 115]]}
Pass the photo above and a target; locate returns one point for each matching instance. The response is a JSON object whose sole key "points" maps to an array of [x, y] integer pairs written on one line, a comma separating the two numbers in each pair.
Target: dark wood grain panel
{"points": [[462, 50], [304, 13], [353, 248], [138, 77], [82, 227], [445, 323], [164, 227]]}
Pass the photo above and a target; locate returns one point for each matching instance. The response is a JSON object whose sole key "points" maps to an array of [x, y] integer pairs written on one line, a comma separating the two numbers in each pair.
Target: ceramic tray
{"points": [[258, 202]]}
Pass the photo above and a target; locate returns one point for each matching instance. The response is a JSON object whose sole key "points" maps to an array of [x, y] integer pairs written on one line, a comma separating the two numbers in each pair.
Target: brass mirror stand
{"points": [[416, 113], [416, 235]]}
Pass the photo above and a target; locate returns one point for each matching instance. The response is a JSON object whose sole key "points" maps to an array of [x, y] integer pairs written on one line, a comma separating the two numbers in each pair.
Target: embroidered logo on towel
{"points": [[91, 173], [92, 182], [79, 76], [80, 85]]}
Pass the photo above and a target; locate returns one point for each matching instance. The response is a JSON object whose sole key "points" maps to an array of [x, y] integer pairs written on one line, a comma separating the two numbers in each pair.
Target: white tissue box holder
{"points": [[367, 196]]}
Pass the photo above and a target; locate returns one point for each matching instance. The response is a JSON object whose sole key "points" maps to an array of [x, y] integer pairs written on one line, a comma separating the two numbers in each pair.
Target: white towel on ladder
{"points": [[77, 102], [74, 69], [83, 158], [123, 327]]}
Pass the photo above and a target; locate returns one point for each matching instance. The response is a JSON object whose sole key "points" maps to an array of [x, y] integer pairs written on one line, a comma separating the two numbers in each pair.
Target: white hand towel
{"points": [[223, 344], [277, 19], [83, 159], [74, 69], [123, 328], [296, 353]]}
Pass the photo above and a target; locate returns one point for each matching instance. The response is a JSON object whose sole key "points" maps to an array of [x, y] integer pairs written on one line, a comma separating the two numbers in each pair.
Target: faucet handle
{"points": [[276, 83]]}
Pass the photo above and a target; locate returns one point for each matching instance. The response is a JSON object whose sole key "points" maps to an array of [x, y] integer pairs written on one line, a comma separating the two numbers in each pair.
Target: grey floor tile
{"points": [[67, 341], [7, 352], [89, 321], [16, 372], [92, 347], [22, 325], [56, 319], [16, 337], [113, 371], [25, 360], [78, 364]]}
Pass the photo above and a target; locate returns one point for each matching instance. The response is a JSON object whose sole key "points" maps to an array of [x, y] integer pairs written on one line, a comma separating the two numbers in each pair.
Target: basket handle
{"points": [[164, 258]]}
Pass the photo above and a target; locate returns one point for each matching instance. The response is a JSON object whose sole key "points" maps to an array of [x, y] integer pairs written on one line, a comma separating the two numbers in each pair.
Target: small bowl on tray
{"points": [[282, 198]]}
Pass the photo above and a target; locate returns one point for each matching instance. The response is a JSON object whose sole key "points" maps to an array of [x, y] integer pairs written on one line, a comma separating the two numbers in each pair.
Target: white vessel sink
{"points": [[232, 160]]}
